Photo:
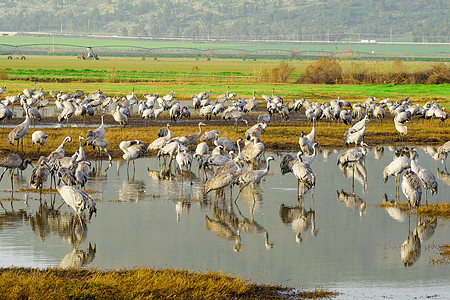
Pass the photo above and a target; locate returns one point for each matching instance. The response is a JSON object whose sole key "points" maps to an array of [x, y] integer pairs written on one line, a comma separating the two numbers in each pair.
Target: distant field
{"points": [[141, 47], [189, 76], [230, 67]]}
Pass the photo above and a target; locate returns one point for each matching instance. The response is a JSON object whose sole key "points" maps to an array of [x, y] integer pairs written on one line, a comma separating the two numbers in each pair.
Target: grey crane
{"points": [[119, 116], [395, 168], [252, 177], [303, 172], [209, 135], [353, 155], [223, 179], [427, 178], [159, 142], [99, 144], [231, 164], [192, 138], [40, 174], [236, 115], [99, 132], [5, 112], [38, 138], [305, 144], [201, 149], [81, 172], [132, 150], [309, 159], [355, 137], [20, 130], [11, 162], [76, 199], [183, 159], [226, 143], [401, 128], [345, 117], [412, 188], [60, 151], [80, 156], [252, 150], [255, 131]]}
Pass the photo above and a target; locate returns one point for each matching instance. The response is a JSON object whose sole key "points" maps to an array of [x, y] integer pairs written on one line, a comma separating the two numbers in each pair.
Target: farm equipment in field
{"points": [[18, 52], [90, 54]]}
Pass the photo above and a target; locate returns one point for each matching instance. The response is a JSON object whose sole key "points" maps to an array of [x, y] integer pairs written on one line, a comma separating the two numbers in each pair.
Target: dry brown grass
{"points": [[441, 210], [278, 136], [24, 283]]}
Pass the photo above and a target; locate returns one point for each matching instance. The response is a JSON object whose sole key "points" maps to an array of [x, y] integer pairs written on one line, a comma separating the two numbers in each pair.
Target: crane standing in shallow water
{"points": [[11, 162], [412, 188], [253, 177], [20, 130], [78, 200]]}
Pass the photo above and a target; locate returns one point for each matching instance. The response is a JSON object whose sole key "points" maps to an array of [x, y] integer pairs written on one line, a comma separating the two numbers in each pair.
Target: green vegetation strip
{"points": [[53, 283]]}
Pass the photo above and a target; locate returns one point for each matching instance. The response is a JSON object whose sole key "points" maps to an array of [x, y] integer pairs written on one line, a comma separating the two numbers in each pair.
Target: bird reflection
{"points": [[249, 226], [96, 170], [378, 152], [228, 226], [425, 229], [160, 175], [132, 190], [357, 171], [10, 218], [78, 258], [443, 176], [352, 201], [49, 220], [299, 218], [252, 196], [326, 153], [432, 152], [182, 207], [225, 225], [410, 249], [395, 212]]}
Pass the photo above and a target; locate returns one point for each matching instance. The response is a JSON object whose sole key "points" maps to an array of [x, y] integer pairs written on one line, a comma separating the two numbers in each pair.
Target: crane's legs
{"points": [[12, 184], [1, 177]]}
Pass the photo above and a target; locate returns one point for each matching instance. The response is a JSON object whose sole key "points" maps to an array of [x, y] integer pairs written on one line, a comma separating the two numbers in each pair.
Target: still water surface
{"points": [[147, 220]]}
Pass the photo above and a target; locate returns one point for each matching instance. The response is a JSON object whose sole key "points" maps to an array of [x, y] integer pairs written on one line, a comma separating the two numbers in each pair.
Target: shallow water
{"points": [[160, 220]]}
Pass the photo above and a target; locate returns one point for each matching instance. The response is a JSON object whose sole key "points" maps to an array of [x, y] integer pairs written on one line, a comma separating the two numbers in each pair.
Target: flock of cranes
{"points": [[230, 168]]}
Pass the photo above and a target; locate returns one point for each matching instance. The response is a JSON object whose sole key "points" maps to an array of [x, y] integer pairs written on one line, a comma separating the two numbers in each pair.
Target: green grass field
{"points": [[188, 76], [147, 47]]}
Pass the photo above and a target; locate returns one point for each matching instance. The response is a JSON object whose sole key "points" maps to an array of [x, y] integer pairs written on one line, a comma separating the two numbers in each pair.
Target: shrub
{"points": [[280, 74], [3, 74], [324, 71]]}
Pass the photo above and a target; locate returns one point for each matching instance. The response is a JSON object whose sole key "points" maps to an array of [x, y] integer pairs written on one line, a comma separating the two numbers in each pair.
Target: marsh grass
{"points": [[278, 136], [139, 283], [441, 210]]}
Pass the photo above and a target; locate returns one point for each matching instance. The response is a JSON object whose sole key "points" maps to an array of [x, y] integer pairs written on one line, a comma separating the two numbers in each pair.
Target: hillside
{"points": [[419, 20]]}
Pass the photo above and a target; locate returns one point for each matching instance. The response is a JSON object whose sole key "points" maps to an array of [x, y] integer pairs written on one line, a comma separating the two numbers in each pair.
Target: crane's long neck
{"points": [[239, 156], [169, 133], [268, 165]]}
